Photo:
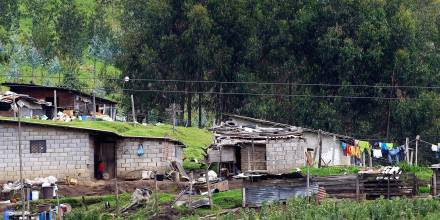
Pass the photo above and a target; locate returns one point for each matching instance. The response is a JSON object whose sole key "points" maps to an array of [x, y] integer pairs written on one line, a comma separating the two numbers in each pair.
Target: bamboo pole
{"points": [[55, 104]]}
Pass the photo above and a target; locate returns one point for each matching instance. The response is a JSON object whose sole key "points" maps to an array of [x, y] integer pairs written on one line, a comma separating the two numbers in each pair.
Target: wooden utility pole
{"points": [[20, 155], [132, 109], [417, 149], [55, 104], [320, 148], [174, 109]]}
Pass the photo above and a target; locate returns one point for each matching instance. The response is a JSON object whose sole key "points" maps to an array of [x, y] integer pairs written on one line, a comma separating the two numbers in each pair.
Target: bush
{"points": [[330, 209]]}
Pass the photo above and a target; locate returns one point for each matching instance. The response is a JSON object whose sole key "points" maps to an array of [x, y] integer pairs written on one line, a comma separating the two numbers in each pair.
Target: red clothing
{"points": [[101, 167]]}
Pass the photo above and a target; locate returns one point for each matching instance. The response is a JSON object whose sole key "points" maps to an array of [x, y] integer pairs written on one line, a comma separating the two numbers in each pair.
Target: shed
{"points": [[271, 147], [61, 150], [66, 99]]}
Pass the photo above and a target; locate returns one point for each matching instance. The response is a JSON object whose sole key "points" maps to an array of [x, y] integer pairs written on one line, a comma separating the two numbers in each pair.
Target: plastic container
{"points": [[35, 195]]}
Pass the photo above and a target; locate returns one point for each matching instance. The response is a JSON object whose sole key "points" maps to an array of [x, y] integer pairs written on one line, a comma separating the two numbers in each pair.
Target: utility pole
{"points": [[417, 148], [20, 155], [174, 109], [132, 109]]}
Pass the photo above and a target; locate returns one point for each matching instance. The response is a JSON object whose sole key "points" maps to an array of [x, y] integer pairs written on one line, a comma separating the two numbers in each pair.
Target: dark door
{"points": [[105, 152]]}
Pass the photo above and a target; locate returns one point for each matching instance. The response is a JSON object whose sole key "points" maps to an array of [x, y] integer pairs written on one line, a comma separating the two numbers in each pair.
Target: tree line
{"points": [[313, 52]]}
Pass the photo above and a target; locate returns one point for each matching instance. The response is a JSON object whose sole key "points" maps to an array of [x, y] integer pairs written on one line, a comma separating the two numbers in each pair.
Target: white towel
{"points": [[434, 148], [377, 153]]}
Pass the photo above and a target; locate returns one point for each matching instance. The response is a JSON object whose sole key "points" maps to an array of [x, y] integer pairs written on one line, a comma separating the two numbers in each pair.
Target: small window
{"points": [[38, 146]]}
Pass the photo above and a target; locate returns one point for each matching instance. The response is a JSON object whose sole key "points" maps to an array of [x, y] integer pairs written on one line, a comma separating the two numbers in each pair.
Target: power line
{"points": [[247, 93], [244, 82]]}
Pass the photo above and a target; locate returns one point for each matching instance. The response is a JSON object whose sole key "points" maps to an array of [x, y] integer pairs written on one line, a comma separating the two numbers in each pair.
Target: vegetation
{"points": [[353, 67], [330, 171], [423, 173], [195, 139], [377, 209]]}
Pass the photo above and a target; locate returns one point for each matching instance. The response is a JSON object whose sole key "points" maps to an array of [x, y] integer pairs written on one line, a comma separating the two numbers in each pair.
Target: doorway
{"points": [[105, 160]]}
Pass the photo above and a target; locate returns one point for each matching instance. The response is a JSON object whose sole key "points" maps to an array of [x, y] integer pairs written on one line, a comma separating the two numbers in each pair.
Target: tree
{"points": [[34, 59]]}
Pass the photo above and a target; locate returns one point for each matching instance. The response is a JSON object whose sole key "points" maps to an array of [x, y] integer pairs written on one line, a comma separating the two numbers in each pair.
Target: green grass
{"points": [[330, 171], [423, 173], [195, 139], [345, 209]]}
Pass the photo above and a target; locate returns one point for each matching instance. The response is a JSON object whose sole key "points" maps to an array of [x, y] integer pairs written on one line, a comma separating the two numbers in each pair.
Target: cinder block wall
{"points": [[68, 153], [158, 155], [284, 155]]}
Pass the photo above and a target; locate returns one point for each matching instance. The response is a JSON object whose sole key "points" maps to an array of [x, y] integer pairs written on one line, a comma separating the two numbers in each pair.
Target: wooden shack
{"points": [[66, 99]]}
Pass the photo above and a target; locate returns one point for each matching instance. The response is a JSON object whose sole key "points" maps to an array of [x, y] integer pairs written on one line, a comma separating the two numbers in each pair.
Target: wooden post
{"points": [[191, 178], [334, 151], [371, 158], [219, 164], [243, 194], [407, 150], [363, 159], [388, 187], [249, 158], [357, 188], [417, 148], [132, 109], [320, 148], [103, 111], [55, 104], [209, 187], [253, 155], [117, 197], [156, 192], [411, 160], [434, 182], [94, 105]]}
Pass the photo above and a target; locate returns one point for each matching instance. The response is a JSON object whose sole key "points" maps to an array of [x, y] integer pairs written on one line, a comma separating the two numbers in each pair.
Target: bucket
{"points": [[48, 192], [35, 195]]}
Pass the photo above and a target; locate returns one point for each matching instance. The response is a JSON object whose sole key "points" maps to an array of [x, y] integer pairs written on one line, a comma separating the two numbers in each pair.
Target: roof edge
{"points": [[92, 129]]}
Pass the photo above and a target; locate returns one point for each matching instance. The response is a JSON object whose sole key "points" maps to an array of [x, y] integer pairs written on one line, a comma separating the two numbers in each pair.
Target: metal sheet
{"points": [[267, 194]]}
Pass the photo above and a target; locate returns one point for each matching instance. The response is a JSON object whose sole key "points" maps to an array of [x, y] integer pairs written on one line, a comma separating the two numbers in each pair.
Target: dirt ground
{"points": [[108, 187]]}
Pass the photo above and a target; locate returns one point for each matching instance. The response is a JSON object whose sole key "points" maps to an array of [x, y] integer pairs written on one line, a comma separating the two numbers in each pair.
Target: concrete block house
{"points": [[244, 144], [60, 151]]}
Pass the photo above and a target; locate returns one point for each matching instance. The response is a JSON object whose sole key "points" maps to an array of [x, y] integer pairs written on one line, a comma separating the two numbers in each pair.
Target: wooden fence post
{"points": [[357, 188]]}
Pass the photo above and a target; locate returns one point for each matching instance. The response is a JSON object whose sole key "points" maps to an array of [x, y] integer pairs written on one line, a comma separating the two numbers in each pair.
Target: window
{"points": [[38, 146]]}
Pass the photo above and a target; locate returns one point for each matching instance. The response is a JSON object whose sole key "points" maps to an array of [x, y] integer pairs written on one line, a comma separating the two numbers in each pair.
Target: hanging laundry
{"points": [[390, 146], [343, 146], [348, 149], [364, 146], [434, 148], [383, 146], [377, 153], [394, 152]]}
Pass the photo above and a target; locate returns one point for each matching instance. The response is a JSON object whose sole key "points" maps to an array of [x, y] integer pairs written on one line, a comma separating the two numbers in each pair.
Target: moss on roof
{"points": [[194, 139]]}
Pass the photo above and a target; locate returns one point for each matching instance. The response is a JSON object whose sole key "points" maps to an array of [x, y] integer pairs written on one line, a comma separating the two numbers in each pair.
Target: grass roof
{"points": [[194, 139]]}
